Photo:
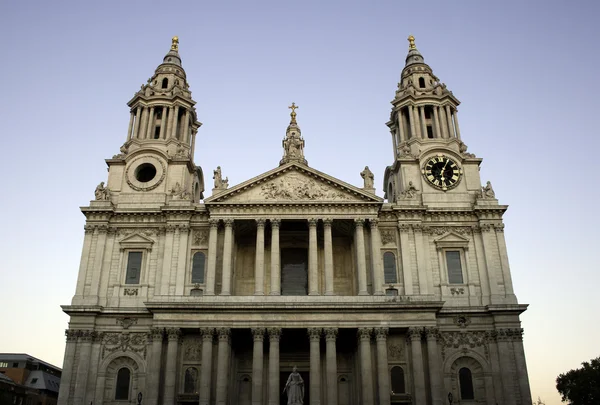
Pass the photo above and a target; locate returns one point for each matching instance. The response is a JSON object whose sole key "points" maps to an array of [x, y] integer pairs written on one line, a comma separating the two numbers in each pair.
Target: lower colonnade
{"points": [[372, 375]]}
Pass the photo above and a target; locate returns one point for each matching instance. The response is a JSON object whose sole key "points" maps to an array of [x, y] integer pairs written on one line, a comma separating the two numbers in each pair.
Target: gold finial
{"points": [[175, 43], [293, 114], [411, 43]]}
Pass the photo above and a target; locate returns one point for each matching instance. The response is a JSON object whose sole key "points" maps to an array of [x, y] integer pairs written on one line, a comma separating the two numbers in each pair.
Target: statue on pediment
{"points": [[220, 184], [368, 178]]}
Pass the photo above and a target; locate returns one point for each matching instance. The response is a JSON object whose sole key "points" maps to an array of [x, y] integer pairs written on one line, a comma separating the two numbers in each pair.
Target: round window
{"points": [[145, 172]]}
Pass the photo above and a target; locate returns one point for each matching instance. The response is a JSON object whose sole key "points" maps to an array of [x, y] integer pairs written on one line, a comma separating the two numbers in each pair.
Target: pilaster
{"points": [[206, 372]]}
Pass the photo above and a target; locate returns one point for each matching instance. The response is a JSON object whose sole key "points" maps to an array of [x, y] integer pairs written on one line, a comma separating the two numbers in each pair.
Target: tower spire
{"points": [[293, 143]]}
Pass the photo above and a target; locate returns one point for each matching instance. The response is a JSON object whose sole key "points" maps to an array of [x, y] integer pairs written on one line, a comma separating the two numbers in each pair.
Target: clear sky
{"points": [[524, 71]]}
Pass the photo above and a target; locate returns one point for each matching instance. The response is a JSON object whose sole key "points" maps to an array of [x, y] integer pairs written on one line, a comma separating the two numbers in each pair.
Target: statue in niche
{"points": [[410, 191], [220, 184], [102, 193], [294, 388], [410, 88], [368, 178], [487, 192]]}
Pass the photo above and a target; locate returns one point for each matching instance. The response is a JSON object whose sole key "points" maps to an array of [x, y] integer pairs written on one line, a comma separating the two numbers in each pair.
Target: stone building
{"points": [[402, 299]]}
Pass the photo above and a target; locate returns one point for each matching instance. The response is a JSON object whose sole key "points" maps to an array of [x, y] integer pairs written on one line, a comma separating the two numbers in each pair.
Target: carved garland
{"points": [[124, 342]]}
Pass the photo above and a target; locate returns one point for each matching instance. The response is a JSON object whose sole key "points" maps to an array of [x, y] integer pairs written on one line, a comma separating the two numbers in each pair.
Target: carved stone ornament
{"points": [[179, 193], [124, 150], [462, 321], [410, 191], [396, 351], [509, 334], [274, 334], [200, 237], [443, 230], [388, 237], [72, 335], [331, 333], [220, 184], [297, 187], [126, 322], [405, 151], [192, 349], [124, 342], [487, 192], [314, 333], [364, 333], [463, 150], [381, 333], [415, 334], [457, 290], [224, 334], [457, 340], [130, 291], [258, 334], [368, 178]]}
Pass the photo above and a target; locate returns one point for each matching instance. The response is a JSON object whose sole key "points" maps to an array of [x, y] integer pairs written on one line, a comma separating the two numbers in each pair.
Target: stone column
{"points": [[274, 337], [227, 249], [313, 263], [449, 118], [456, 123], [138, 116], [435, 367], [130, 127], [422, 250], [67, 373], [503, 253], [83, 367], [169, 123], [143, 123], [95, 359], [314, 335], [328, 246], [521, 366], [259, 260], [182, 258], [366, 369], [506, 370], [223, 351], [275, 259], [212, 257], [174, 335], [405, 254], [414, 335], [175, 123], [163, 122], [394, 142], [185, 127], [206, 368], [150, 126], [411, 116], [155, 336], [443, 122], [376, 257], [403, 137], [436, 123], [423, 123], [495, 366], [359, 240], [257, 365], [331, 365], [383, 374]]}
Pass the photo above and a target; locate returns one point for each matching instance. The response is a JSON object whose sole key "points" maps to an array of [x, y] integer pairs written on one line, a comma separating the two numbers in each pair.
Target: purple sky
{"points": [[523, 70]]}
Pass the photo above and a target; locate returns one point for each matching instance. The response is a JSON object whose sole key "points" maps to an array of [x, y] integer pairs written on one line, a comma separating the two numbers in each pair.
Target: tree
{"points": [[581, 386]]}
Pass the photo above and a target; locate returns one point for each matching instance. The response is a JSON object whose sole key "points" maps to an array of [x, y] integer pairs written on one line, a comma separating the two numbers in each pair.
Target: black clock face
{"points": [[442, 172]]}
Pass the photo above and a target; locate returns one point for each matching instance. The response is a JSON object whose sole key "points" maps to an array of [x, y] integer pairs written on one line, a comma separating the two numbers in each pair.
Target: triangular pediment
{"points": [[452, 237], [293, 183], [136, 238]]}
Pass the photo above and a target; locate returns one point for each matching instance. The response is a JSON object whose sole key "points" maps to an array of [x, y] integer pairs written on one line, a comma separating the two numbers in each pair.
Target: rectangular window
{"points": [[455, 275], [134, 268], [3, 364]]}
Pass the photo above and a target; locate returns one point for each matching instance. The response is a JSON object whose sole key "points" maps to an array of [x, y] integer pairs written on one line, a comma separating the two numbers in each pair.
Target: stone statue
{"points": [[179, 193], [405, 150], [220, 184], [181, 152], [488, 191], [293, 146], [101, 193], [410, 191], [294, 388], [368, 178]]}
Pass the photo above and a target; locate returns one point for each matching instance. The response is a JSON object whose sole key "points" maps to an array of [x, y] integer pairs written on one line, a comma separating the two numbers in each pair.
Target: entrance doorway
{"points": [[294, 271]]}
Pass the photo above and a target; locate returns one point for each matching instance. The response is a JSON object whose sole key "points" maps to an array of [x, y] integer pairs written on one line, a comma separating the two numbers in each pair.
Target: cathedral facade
{"points": [[294, 286]]}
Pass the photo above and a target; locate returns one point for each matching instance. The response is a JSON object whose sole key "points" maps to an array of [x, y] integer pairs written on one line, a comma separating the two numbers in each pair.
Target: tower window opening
{"points": [[429, 132], [165, 83], [145, 172], [156, 132], [427, 113], [465, 380], [421, 83]]}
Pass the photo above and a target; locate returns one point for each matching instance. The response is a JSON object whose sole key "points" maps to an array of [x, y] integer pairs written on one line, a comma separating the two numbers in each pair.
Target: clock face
{"points": [[442, 172]]}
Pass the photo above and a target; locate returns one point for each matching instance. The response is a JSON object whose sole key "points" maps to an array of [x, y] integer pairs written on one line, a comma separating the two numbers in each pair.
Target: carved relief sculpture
{"points": [[299, 188], [410, 191]]}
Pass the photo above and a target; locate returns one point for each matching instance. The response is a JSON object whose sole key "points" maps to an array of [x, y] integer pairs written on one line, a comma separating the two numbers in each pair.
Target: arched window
{"points": [[165, 83], [421, 83], [198, 267], [191, 381], [389, 268], [123, 382], [398, 386], [465, 380]]}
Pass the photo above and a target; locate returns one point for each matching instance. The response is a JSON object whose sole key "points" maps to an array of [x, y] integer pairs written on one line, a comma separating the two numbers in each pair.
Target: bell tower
{"points": [[157, 158], [431, 163]]}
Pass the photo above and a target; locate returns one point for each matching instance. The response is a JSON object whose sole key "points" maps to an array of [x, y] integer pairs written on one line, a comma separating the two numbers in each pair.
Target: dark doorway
{"points": [[294, 271], [283, 376]]}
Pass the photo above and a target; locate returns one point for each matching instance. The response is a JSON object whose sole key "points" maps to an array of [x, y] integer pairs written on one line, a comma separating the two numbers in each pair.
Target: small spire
{"points": [[293, 114], [411, 43], [175, 43]]}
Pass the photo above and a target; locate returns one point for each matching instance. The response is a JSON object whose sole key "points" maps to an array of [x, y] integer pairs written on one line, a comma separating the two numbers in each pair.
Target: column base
{"points": [[259, 293], [274, 293], [225, 293], [208, 293], [363, 293], [313, 293], [379, 293], [329, 293]]}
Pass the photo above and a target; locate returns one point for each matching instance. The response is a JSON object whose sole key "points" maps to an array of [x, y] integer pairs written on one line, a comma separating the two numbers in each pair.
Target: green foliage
{"points": [[581, 386]]}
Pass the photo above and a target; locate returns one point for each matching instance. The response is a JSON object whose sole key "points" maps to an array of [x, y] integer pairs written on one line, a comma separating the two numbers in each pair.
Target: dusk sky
{"points": [[523, 70]]}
